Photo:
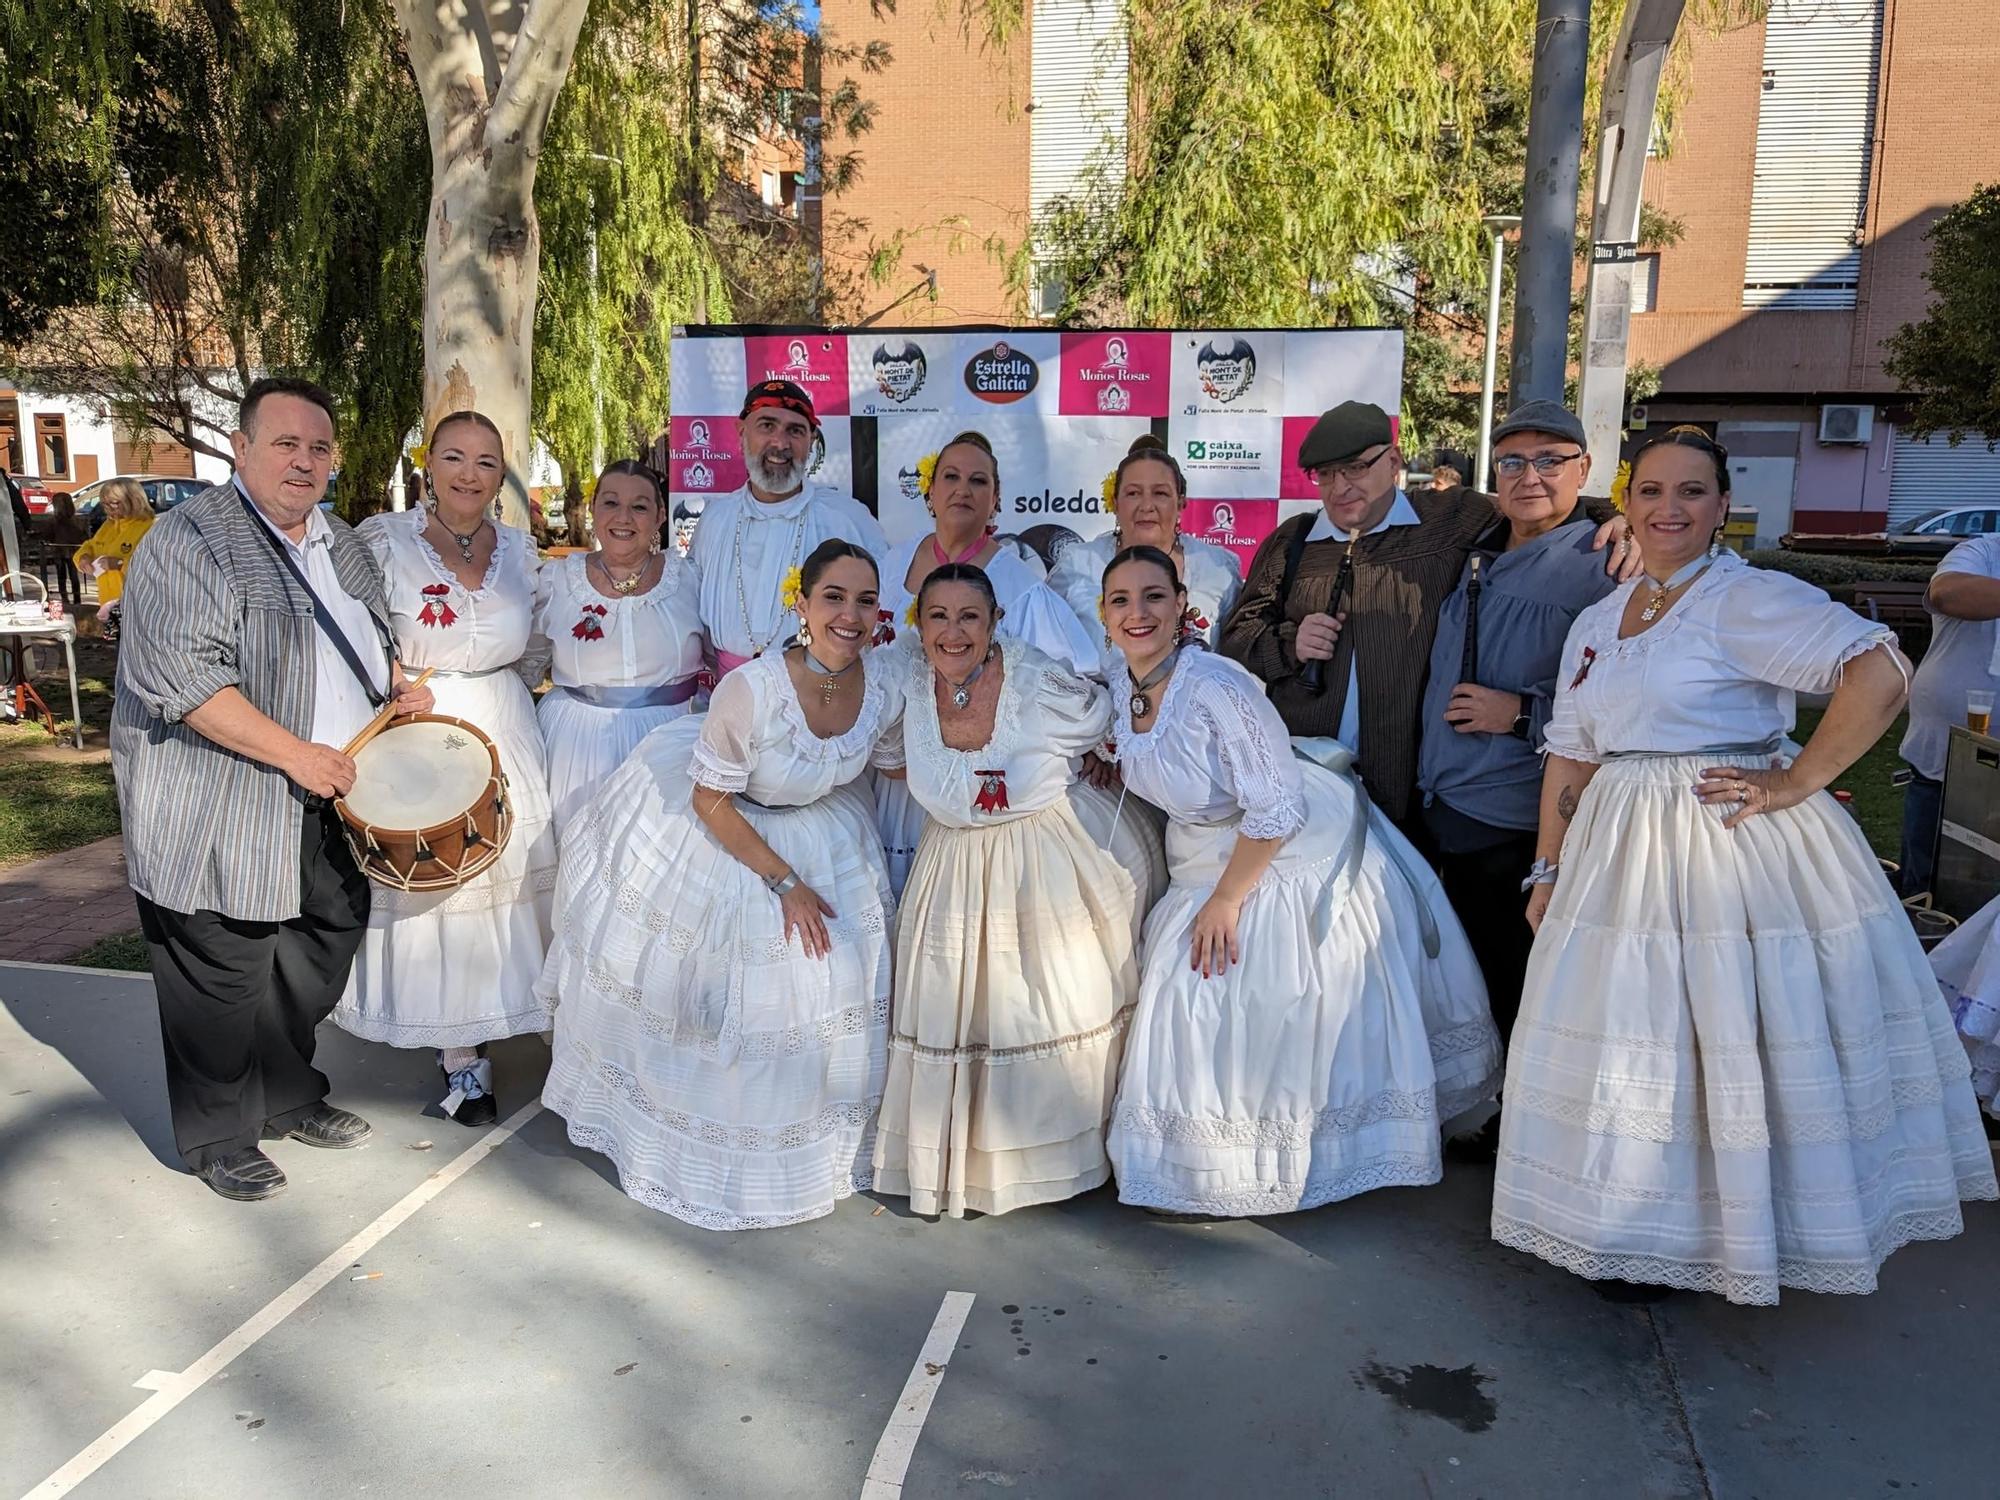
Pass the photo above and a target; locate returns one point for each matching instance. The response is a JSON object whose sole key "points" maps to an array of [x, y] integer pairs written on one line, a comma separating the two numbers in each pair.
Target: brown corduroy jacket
{"points": [[1401, 577]]}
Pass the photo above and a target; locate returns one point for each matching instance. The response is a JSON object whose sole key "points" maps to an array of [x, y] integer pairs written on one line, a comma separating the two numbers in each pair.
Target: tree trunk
{"points": [[489, 72]]}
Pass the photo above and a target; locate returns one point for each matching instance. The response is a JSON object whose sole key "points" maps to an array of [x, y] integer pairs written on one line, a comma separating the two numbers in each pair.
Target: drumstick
{"points": [[381, 720]]}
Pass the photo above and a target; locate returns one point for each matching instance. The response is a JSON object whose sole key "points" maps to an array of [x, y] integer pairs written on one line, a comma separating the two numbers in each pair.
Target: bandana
{"points": [[782, 394]]}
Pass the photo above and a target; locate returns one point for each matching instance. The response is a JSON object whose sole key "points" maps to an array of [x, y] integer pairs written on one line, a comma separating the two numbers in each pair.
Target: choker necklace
{"points": [[622, 585], [1658, 599], [961, 692], [464, 542], [1140, 703], [829, 677], [947, 561]]}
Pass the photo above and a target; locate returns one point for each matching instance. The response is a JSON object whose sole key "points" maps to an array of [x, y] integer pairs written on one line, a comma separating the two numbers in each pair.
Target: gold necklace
{"points": [[1657, 600], [622, 585], [829, 677]]}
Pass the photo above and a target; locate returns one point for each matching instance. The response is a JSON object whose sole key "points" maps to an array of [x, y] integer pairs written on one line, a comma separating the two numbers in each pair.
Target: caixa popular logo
{"points": [[1001, 374]]}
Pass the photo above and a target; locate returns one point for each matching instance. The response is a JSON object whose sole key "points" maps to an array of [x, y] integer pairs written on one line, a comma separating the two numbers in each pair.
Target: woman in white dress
{"points": [[720, 973], [1733, 1071], [1310, 1013], [456, 969], [623, 629], [1147, 494], [1015, 969], [962, 489], [1967, 965]]}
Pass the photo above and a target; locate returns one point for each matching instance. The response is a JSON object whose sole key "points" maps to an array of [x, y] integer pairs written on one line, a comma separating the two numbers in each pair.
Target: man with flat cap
{"points": [[748, 539], [1373, 644]]}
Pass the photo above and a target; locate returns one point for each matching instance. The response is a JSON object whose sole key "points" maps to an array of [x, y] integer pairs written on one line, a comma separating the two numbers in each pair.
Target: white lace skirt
{"points": [[1733, 1071], [585, 742], [732, 1080], [1132, 833], [1325, 1062], [1015, 977], [1967, 965], [456, 968]]}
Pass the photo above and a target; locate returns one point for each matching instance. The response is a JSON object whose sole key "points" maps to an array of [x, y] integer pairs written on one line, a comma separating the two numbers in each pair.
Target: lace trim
{"points": [[856, 741], [750, 1139], [1863, 1189], [1275, 1198], [1473, 1036], [979, 1052], [478, 895], [504, 538], [923, 738], [1664, 1127], [371, 1027], [1246, 751], [1877, 1040], [1280, 1135], [1755, 1289], [655, 1196]]}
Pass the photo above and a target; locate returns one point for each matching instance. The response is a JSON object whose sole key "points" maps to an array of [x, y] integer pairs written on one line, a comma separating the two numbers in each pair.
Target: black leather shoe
{"points": [[336, 1129], [484, 1110], [244, 1176]]}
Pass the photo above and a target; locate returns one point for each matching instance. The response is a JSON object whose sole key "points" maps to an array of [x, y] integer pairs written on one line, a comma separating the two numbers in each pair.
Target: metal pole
{"points": [[1547, 265], [1497, 226]]}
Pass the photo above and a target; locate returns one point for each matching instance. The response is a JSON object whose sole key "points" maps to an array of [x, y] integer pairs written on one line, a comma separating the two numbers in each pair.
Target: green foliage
{"points": [[1951, 358], [1831, 570]]}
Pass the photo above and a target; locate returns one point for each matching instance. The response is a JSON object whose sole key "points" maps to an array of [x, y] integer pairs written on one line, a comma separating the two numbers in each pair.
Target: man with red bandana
{"points": [[748, 539]]}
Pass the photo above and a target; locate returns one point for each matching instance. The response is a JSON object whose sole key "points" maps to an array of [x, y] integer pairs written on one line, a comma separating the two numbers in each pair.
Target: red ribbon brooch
{"points": [[1589, 656], [590, 627], [992, 796], [885, 630], [436, 611], [1194, 623]]}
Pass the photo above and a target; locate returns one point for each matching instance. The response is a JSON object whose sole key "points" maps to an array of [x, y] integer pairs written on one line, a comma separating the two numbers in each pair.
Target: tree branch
{"points": [[535, 72]]}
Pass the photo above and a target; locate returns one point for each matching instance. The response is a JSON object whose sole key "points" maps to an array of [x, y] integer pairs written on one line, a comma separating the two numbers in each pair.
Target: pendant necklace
{"points": [[796, 548], [829, 678], [961, 692], [1658, 600], [622, 585], [945, 560], [464, 542], [1141, 704]]}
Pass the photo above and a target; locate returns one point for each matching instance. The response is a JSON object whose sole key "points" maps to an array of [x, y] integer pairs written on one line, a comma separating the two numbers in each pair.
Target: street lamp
{"points": [[1497, 226]]}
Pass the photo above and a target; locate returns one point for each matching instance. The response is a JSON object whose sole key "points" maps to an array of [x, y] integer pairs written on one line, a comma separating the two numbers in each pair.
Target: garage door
{"points": [[1930, 475], [153, 453]]}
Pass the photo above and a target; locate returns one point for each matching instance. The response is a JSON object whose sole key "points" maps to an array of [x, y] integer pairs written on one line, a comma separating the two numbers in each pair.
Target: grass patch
{"points": [[50, 805], [1877, 804], [96, 671], [125, 951]]}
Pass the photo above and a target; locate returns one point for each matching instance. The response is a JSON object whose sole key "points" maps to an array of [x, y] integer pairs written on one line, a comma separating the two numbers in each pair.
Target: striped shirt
{"points": [[208, 606]]}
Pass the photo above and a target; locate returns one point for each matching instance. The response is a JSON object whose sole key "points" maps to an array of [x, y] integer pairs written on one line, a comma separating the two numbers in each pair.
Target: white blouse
{"points": [[438, 621], [1719, 671], [743, 548], [1047, 716], [755, 739], [1217, 750], [1032, 612], [1212, 576], [641, 640]]}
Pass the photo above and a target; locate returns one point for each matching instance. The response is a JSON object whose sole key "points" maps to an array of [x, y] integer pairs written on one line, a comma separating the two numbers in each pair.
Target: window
{"points": [[1815, 125], [773, 194], [1048, 294], [52, 445], [1646, 283]]}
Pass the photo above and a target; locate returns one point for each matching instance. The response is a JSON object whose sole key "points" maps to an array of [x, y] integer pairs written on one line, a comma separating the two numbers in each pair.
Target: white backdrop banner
{"points": [[1060, 410]]}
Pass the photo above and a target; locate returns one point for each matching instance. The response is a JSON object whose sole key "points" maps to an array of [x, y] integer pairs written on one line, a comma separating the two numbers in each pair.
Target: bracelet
{"points": [[1541, 872], [780, 884]]}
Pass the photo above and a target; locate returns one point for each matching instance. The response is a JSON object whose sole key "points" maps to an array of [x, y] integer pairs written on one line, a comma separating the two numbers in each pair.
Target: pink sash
{"points": [[727, 662]]}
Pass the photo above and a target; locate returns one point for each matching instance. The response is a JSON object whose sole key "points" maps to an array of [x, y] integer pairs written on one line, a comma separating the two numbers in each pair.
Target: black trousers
{"points": [[1485, 890], [240, 1001]]}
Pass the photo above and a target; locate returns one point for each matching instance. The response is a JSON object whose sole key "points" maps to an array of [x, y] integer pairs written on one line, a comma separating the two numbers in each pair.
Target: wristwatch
{"points": [[1519, 728], [780, 884]]}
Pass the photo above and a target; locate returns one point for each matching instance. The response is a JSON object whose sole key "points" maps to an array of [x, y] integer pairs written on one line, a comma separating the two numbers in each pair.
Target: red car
{"points": [[34, 493]]}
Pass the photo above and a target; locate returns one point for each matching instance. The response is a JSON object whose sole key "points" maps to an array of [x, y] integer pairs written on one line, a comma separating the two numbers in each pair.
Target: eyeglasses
{"points": [[1353, 473], [1513, 466]]}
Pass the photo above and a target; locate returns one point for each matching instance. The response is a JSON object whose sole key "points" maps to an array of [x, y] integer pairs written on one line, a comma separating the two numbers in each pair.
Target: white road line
{"points": [[173, 1389], [906, 1424]]}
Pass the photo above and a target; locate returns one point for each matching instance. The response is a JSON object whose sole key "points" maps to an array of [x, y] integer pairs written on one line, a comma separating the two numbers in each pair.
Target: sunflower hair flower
{"points": [[792, 589], [1110, 492], [420, 456], [926, 472], [910, 614], [1620, 483]]}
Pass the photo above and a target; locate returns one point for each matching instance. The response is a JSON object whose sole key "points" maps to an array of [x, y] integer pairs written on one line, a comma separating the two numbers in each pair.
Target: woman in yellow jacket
{"points": [[127, 516]]}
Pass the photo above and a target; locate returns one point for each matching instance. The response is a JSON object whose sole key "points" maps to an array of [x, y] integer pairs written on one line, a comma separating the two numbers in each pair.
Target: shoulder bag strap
{"points": [[321, 614]]}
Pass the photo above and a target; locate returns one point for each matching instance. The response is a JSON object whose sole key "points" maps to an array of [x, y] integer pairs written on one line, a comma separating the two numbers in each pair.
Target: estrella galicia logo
{"points": [[1001, 374], [1226, 370], [899, 372]]}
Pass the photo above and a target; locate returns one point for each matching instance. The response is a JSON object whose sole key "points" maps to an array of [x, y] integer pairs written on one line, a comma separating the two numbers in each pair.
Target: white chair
{"points": [[24, 621]]}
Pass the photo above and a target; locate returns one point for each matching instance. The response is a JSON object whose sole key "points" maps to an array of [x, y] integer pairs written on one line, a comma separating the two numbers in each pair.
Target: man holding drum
{"points": [[255, 644]]}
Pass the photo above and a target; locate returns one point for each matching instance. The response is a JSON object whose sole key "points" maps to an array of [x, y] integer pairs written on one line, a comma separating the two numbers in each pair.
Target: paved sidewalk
{"points": [[55, 907]]}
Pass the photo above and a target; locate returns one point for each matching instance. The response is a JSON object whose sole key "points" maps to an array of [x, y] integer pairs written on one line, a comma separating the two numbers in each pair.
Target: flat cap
{"points": [[1551, 417], [1343, 432]]}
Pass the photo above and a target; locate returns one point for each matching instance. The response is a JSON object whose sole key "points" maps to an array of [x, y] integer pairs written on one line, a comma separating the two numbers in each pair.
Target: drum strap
{"points": [[323, 616]]}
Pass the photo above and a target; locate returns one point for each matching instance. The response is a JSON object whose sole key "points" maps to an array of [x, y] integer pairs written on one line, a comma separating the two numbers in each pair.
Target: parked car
{"points": [[1959, 522], [34, 494], [165, 491]]}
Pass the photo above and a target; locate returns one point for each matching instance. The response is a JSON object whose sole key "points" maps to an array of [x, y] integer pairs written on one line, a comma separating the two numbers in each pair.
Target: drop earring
{"points": [[805, 634], [1715, 544]]}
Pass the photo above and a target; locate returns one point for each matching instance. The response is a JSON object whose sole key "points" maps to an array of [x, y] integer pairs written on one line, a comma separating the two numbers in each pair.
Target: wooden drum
{"points": [[428, 809]]}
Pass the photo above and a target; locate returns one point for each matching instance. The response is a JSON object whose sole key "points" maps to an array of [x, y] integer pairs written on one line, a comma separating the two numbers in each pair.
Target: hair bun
{"points": [[1145, 442]]}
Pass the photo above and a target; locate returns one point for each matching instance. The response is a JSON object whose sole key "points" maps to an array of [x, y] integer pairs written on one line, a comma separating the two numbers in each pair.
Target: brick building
{"points": [[969, 142], [1812, 152]]}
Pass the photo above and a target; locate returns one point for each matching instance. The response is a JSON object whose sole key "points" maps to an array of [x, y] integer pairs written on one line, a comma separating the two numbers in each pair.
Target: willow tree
{"points": [[489, 73]]}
